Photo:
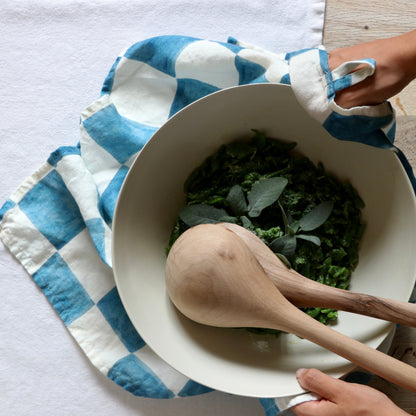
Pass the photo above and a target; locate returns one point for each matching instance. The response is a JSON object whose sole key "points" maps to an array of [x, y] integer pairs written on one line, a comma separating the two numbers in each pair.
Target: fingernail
{"points": [[300, 372]]}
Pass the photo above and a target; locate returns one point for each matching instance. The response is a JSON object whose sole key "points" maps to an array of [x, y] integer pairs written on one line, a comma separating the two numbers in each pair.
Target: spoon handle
{"points": [[366, 357], [313, 294]]}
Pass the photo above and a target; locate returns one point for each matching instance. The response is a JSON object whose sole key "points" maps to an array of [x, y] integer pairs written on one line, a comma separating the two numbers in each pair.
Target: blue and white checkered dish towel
{"points": [[58, 222]]}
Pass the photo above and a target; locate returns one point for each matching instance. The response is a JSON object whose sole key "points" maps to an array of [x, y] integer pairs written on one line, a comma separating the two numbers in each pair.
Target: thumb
{"points": [[320, 383]]}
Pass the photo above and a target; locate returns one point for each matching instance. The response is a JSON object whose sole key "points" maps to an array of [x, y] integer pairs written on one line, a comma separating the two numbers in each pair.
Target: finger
{"points": [[318, 382], [316, 408]]}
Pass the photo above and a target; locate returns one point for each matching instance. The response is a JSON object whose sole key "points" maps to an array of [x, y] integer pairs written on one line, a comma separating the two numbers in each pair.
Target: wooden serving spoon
{"points": [[304, 292], [213, 278]]}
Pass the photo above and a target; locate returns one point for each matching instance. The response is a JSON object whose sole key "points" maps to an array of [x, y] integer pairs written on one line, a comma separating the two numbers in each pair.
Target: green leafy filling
{"points": [[308, 218]]}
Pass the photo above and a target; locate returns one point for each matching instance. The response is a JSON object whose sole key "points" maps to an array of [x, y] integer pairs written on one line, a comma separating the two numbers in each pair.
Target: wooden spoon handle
{"points": [[309, 293], [366, 357]]}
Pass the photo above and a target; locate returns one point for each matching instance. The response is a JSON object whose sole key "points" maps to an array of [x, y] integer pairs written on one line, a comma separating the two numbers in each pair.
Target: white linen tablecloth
{"points": [[55, 56]]}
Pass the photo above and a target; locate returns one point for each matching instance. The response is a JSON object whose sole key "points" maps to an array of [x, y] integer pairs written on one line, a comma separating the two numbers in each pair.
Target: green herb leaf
{"points": [[312, 238], [285, 219], [228, 218], [240, 150], [284, 260], [201, 214], [290, 229], [237, 200], [246, 223], [316, 217], [264, 193], [285, 245]]}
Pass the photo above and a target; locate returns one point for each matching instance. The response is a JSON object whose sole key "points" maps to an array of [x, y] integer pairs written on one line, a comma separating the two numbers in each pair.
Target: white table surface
{"points": [[54, 58]]}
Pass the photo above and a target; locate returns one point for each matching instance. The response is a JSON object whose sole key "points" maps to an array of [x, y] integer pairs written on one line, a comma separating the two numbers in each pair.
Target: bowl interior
{"points": [[236, 361]]}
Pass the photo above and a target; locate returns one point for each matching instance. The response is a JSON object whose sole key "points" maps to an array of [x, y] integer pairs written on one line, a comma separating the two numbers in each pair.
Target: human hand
{"points": [[395, 68], [340, 398]]}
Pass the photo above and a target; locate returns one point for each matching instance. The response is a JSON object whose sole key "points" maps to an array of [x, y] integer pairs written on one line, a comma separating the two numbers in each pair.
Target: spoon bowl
{"points": [[213, 278]]}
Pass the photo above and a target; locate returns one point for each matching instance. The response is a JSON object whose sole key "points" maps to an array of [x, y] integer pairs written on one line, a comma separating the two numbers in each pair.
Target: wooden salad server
{"points": [[213, 278], [304, 292]]}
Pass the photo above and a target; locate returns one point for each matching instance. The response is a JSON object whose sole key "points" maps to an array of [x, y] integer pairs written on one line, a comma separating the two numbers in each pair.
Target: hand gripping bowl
{"points": [[237, 361]]}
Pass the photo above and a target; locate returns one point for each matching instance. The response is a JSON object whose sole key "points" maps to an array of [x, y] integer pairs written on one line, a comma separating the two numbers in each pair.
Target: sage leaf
{"points": [[285, 219], [197, 214], [284, 260], [228, 218], [246, 223], [312, 238], [293, 228], [237, 200], [264, 193], [285, 245], [316, 217]]}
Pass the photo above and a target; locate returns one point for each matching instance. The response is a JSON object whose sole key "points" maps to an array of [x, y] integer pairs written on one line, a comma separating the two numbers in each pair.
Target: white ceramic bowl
{"points": [[237, 361]]}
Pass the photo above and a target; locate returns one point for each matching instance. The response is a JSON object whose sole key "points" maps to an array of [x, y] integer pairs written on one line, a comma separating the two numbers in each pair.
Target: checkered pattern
{"points": [[58, 223]]}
